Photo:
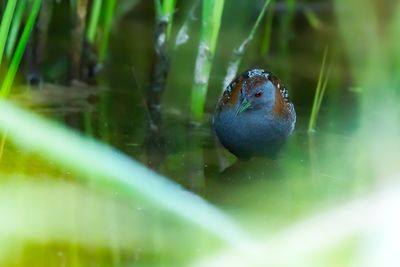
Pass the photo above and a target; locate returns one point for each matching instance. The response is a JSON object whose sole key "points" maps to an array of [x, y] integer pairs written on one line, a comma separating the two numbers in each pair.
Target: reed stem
{"points": [[78, 13], [211, 21]]}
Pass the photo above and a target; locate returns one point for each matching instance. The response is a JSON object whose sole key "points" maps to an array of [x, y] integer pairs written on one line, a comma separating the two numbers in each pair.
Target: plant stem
{"points": [[93, 20], [211, 20], [154, 142], [238, 53], [108, 17], [168, 8], [79, 12], [35, 53]]}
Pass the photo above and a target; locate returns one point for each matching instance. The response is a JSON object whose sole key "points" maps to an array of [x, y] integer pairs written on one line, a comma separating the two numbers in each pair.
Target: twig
{"points": [[239, 51]]}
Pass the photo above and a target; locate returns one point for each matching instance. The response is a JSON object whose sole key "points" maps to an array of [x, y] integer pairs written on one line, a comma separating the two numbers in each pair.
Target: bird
{"points": [[254, 116]]}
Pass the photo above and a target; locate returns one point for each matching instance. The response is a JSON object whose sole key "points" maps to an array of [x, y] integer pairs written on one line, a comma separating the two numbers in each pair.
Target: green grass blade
{"points": [[106, 168], [318, 95], [324, 85], [93, 20], [211, 20], [15, 26], [239, 52], [168, 9], [313, 19], [16, 60], [109, 12], [5, 25]]}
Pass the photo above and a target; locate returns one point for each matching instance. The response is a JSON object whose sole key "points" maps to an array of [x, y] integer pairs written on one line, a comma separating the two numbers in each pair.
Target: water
{"points": [[313, 172]]}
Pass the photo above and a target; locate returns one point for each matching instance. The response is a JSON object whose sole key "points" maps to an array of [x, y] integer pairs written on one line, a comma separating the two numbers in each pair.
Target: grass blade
{"points": [[313, 19], [108, 18], [16, 60], [5, 25], [15, 26], [319, 94], [93, 20]]}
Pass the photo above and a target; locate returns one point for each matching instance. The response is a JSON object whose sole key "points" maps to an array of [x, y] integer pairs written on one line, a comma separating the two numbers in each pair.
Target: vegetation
{"points": [[210, 24], [70, 197], [19, 51], [319, 93], [240, 51]]}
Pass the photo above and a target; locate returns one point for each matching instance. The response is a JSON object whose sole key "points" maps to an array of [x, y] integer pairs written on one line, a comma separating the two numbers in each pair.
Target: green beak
{"points": [[245, 105]]}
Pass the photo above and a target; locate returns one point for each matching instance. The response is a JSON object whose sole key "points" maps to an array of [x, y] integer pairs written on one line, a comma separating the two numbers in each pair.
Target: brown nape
{"points": [[280, 107]]}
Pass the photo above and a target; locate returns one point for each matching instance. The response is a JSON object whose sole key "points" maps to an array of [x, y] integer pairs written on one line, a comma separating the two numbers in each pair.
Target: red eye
{"points": [[258, 94]]}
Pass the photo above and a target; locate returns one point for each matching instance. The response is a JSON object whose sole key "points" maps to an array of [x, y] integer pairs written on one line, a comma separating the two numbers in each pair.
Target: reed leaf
{"points": [[5, 25], [16, 59], [15, 26], [319, 93]]}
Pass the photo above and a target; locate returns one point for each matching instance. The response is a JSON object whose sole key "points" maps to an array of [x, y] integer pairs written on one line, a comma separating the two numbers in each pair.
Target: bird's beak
{"points": [[244, 105]]}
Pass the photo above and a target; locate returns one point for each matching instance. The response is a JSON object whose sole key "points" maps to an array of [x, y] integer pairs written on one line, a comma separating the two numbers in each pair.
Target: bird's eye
{"points": [[258, 94]]}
